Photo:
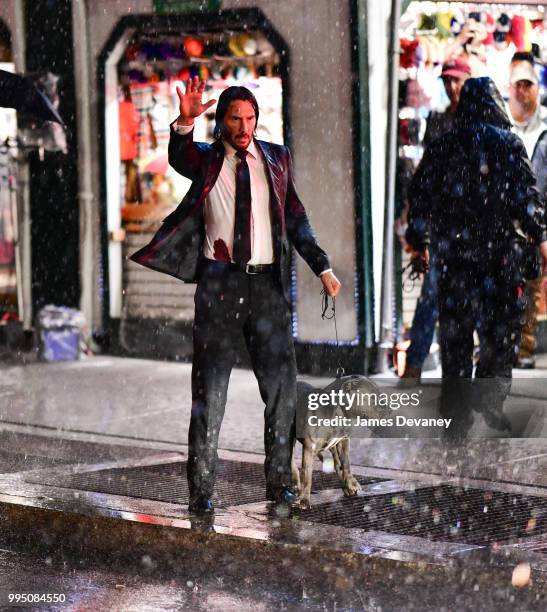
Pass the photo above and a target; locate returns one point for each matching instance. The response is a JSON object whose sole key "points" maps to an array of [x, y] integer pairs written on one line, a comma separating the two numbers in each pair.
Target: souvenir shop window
{"points": [[153, 66], [8, 186], [485, 35]]}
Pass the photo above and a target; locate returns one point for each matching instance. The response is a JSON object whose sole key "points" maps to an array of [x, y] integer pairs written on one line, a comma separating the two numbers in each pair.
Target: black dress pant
{"points": [[230, 304], [485, 296]]}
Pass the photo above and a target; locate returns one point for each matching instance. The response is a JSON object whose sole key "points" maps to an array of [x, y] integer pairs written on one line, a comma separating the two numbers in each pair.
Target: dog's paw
{"points": [[351, 487], [304, 503], [296, 487]]}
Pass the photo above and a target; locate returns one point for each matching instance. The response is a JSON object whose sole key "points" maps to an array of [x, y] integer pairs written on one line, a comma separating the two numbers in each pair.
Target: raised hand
{"points": [[191, 101]]}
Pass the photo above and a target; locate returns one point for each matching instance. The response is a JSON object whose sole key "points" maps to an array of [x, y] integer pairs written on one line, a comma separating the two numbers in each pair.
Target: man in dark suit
{"points": [[231, 234]]}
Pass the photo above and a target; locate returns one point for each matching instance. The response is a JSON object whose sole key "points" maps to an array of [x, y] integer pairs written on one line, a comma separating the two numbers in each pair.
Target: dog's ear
{"points": [[353, 383]]}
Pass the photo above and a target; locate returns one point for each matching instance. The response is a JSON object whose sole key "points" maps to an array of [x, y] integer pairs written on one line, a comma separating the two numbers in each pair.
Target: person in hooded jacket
{"points": [[472, 189]]}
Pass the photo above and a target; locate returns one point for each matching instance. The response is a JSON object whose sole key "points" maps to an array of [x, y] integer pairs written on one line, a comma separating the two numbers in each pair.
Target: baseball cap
{"points": [[457, 67], [523, 71]]}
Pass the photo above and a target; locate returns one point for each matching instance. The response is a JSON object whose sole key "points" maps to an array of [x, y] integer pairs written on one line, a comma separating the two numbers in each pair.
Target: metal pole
{"points": [[85, 195], [386, 321], [23, 266], [363, 117]]}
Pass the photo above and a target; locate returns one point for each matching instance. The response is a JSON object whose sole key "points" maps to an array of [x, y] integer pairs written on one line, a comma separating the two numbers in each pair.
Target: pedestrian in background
{"points": [[470, 188], [529, 119], [454, 74]]}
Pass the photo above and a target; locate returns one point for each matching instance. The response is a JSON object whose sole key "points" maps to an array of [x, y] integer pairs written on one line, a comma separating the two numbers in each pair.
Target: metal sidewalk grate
{"points": [[11, 462], [237, 482], [27, 451], [443, 513]]}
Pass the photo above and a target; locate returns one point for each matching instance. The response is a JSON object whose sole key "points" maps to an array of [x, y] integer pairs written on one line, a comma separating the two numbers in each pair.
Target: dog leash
{"points": [[415, 269], [324, 307]]}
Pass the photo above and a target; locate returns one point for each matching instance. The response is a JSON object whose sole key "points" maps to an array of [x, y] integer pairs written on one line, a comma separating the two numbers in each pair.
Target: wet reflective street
{"points": [[102, 517], [194, 582], [437, 525]]}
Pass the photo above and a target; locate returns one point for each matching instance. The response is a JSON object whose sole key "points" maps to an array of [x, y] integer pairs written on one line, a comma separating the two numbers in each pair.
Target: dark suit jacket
{"points": [[177, 247]]}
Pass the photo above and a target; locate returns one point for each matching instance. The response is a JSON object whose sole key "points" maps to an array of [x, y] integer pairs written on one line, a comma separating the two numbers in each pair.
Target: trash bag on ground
{"points": [[60, 330]]}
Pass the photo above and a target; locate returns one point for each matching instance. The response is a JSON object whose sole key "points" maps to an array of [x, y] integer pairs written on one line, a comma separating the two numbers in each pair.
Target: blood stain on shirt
{"points": [[221, 252]]}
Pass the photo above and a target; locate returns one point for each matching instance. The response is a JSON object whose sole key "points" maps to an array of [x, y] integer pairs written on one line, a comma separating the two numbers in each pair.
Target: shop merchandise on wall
{"points": [[8, 174], [148, 74], [486, 35], [8, 182]]}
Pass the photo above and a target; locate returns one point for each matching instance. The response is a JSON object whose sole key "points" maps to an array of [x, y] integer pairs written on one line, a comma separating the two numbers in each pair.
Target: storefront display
{"points": [[8, 178], [486, 36], [151, 68]]}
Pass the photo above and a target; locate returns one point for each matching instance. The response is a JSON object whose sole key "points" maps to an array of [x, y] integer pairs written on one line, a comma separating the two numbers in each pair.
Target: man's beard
{"points": [[527, 107], [234, 143]]}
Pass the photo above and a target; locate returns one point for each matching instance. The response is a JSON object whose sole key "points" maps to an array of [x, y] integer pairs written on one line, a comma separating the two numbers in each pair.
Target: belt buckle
{"points": [[248, 269]]}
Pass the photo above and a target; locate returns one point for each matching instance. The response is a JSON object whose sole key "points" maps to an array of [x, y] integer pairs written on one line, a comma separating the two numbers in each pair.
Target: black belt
{"points": [[253, 268]]}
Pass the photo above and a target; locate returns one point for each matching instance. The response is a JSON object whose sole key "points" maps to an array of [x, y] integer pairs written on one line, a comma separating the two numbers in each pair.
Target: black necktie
{"points": [[242, 227]]}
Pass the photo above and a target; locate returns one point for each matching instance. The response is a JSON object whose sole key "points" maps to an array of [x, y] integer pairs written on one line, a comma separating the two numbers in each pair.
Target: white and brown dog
{"points": [[338, 445]]}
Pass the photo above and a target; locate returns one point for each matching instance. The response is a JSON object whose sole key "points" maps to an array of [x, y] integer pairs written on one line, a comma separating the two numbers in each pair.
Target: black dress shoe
{"points": [[201, 505], [285, 495]]}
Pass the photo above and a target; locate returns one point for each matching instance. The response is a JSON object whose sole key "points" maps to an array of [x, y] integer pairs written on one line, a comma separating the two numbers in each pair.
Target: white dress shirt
{"points": [[220, 207]]}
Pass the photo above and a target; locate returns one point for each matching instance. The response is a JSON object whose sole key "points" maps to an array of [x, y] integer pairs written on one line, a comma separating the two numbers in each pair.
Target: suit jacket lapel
{"points": [[213, 168], [272, 173], [270, 163], [194, 199]]}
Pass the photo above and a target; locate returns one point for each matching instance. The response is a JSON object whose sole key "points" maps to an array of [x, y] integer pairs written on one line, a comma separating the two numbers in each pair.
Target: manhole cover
{"points": [[443, 513], [237, 482]]}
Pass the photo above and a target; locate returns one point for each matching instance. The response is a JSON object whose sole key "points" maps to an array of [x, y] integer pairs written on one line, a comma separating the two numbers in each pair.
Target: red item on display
{"points": [[404, 134], [193, 47], [408, 53], [184, 74], [132, 52], [490, 28], [520, 32], [7, 252], [129, 130]]}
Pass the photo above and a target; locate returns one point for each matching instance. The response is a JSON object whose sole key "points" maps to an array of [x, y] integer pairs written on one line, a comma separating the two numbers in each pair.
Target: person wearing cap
{"points": [[529, 120], [471, 189], [454, 74]]}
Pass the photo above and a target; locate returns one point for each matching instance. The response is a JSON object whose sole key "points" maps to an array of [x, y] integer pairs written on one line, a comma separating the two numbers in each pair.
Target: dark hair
{"points": [[524, 56], [228, 96]]}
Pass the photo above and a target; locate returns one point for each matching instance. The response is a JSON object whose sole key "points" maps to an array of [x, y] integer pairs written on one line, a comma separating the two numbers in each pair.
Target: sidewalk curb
{"points": [[109, 535], [94, 534]]}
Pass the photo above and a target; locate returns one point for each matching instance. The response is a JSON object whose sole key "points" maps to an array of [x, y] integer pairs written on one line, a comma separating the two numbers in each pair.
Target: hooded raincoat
{"points": [[474, 193]]}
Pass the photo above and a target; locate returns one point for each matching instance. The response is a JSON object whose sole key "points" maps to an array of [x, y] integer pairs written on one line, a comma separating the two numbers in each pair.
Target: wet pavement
{"points": [[107, 513], [92, 464], [197, 583], [149, 401]]}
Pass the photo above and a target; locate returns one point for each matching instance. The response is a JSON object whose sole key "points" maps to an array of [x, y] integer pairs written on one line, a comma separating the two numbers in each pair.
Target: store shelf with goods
{"points": [[142, 188], [484, 36]]}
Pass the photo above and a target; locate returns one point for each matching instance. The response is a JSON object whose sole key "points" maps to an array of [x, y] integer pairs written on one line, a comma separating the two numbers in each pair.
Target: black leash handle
{"points": [[417, 267], [324, 308]]}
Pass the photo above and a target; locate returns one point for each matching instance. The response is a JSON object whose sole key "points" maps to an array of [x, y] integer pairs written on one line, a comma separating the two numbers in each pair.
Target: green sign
{"points": [[186, 6]]}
